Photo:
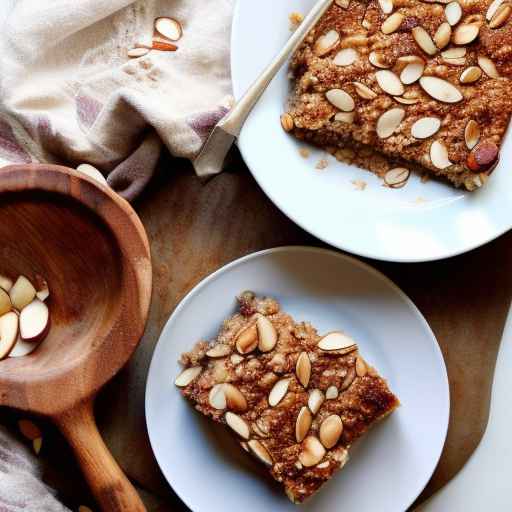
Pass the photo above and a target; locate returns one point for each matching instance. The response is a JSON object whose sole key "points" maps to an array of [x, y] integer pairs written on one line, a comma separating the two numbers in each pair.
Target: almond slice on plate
{"points": [[22, 293], [340, 99], [440, 89], [267, 334], [34, 321], [238, 425], [439, 155], [389, 82], [278, 392], [326, 43], [470, 75], [453, 13], [345, 57], [488, 66], [425, 127], [423, 40], [388, 122], [169, 28], [472, 134], [187, 376], [8, 333], [397, 177], [336, 341]]}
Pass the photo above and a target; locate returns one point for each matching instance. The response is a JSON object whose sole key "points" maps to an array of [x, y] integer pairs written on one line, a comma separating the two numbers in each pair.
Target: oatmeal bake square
{"points": [[295, 400], [411, 84]]}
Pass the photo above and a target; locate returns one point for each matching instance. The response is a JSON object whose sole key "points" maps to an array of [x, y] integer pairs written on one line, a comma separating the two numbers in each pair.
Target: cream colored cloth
{"points": [[69, 94]]}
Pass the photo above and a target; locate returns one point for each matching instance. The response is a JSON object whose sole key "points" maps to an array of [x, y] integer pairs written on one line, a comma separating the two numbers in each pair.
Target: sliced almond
{"points": [[361, 368], [423, 40], [345, 117], [260, 452], [5, 302], [470, 75], [376, 59], [349, 378], [236, 359], [425, 127], [331, 430], [135, 53], [331, 393], [34, 321], [501, 16], [472, 134], [315, 400], [303, 424], [406, 101], [169, 28], [247, 340], [397, 177], [364, 91], [443, 35], [455, 62], [219, 350], [5, 283], [345, 57], [238, 425], [259, 431], [326, 43], [267, 334], [440, 89], [389, 122], [303, 369], [454, 53], [29, 429], [389, 82], [466, 33], [342, 3], [158, 44], [235, 400], [217, 397], [340, 99], [392, 23], [439, 155], [337, 341], [278, 392], [386, 6], [187, 376], [287, 122], [312, 452], [488, 66], [37, 443], [493, 7], [8, 333], [412, 72], [453, 13], [323, 465], [22, 293]]}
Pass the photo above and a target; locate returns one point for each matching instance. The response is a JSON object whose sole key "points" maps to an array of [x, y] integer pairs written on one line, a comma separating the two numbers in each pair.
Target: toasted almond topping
{"points": [[349, 378], [440, 89], [303, 424], [238, 424], [29, 429], [361, 368], [412, 72], [474, 19], [439, 155], [488, 66], [247, 340], [392, 23], [326, 43], [169, 28], [493, 7], [312, 452], [389, 82], [267, 334], [323, 465], [219, 351], [501, 16], [187, 376], [287, 122], [331, 430], [397, 177], [472, 134], [345, 117], [423, 40], [337, 341], [470, 75], [260, 452], [443, 35], [340, 99], [386, 6], [278, 392], [315, 400], [217, 397], [453, 13], [377, 60], [455, 62], [236, 359], [331, 393], [406, 101], [235, 400], [364, 92], [342, 3], [425, 127], [346, 57], [454, 53], [303, 369], [466, 33], [389, 122]]}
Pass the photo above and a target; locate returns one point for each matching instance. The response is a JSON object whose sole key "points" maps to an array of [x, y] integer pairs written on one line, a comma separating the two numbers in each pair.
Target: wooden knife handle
{"points": [[109, 485]]}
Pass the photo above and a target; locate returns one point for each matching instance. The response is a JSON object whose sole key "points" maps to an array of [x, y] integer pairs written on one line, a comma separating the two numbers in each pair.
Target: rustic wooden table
{"points": [[195, 228]]}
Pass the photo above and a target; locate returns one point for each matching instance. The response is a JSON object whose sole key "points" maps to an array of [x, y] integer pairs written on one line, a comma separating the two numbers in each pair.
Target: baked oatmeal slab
{"points": [[423, 83], [295, 400]]}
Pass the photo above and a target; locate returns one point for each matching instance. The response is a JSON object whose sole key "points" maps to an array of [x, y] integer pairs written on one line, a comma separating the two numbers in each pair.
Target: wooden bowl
{"points": [[92, 249]]}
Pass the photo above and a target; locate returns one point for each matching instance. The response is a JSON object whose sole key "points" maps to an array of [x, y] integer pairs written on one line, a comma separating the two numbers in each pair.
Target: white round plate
{"points": [[420, 222], [388, 468]]}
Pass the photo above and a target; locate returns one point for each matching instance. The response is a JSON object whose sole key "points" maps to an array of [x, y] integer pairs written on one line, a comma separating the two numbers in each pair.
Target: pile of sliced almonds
{"points": [[24, 316], [167, 31]]}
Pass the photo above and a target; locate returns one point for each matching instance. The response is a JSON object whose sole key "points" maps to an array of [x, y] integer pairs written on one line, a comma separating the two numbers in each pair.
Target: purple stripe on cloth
{"points": [[10, 149], [204, 122], [87, 109]]}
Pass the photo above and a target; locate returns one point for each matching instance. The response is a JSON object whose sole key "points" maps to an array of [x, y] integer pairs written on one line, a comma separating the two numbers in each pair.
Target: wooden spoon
{"points": [[92, 249]]}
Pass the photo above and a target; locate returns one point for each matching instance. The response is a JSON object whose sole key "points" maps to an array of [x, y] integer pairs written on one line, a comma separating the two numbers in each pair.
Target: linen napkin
{"points": [[69, 94]]}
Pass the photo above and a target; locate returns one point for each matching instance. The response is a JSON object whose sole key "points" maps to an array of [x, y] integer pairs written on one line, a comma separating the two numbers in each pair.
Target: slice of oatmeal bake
{"points": [[295, 400]]}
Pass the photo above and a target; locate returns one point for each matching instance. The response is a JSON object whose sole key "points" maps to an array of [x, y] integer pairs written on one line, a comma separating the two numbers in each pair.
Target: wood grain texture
{"points": [[91, 247]]}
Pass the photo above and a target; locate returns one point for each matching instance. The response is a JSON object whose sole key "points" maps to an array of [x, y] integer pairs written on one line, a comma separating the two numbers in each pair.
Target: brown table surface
{"points": [[196, 228]]}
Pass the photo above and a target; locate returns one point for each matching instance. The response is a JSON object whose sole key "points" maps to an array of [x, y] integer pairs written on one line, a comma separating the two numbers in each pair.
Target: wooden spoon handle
{"points": [[110, 487]]}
